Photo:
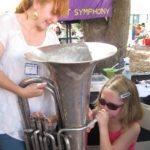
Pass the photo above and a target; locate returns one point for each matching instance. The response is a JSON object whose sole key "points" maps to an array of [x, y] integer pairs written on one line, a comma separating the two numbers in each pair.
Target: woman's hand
{"points": [[50, 119], [33, 90], [37, 115]]}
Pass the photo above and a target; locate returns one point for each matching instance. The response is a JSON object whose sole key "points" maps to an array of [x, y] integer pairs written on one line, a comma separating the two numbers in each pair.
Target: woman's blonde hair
{"points": [[61, 7], [132, 110]]}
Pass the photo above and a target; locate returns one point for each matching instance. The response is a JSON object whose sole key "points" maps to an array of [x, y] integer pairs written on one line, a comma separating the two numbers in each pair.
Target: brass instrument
{"points": [[71, 67]]}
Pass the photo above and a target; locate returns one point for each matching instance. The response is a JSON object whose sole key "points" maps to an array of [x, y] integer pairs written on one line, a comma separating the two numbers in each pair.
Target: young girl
{"points": [[119, 114]]}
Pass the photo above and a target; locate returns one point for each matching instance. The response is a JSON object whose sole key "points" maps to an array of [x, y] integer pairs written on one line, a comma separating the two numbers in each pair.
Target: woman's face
{"points": [[46, 16], [111, 102]]}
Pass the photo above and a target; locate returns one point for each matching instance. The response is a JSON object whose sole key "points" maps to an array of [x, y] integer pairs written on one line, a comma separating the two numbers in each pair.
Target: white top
{"points": [[17, 68]]}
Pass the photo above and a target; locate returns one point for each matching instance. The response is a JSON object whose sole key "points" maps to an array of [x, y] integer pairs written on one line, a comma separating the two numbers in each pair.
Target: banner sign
{"points": [[88, 9]]}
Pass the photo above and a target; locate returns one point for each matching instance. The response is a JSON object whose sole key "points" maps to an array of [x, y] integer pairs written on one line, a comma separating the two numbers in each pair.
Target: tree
{"points": [[112, 30]]}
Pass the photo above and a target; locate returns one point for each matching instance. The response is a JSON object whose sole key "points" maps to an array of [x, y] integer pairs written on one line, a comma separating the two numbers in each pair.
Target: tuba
{"points": [[71, 67]]}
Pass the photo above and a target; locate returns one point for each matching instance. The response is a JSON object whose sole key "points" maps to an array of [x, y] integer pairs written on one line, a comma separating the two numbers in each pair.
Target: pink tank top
{"points": [[114, 135]]}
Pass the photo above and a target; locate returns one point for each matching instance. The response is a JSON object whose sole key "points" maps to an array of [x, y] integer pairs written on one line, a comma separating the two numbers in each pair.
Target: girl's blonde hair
{"points": [[61, 7], [132, 110]]}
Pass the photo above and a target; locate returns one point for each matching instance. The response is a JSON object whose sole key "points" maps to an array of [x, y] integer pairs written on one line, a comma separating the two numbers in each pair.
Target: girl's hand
{"points": [[33, 90], [90, 117], [102, 117], [52, 119], [90, 114]]}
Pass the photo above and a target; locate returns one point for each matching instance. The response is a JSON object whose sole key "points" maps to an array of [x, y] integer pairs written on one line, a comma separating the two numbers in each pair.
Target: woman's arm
{"points": [[5, 82], [30, 91]]}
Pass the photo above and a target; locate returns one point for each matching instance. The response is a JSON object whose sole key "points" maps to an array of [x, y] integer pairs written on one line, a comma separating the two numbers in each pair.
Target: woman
{"points": [[20, 32], [118, 115]]}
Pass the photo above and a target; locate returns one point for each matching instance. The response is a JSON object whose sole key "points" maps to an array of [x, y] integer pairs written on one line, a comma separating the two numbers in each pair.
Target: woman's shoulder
{"points": [[7, 20], [7, 17]]}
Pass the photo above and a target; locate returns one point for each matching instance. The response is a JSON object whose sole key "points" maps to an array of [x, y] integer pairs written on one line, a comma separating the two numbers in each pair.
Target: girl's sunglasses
{"points": [[111, 106]]}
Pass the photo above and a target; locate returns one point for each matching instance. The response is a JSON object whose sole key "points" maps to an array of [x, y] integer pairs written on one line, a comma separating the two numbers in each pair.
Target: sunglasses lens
{"points": [[102, 101], [109, 105], [112, 106]]}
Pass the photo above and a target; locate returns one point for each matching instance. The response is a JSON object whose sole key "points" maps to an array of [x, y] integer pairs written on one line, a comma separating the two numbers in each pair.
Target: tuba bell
{"points": [[71, 67]]}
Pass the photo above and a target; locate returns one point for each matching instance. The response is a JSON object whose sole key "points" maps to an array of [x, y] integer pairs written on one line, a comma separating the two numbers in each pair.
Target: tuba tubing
{"points": [[23, 103], [35, 139]]}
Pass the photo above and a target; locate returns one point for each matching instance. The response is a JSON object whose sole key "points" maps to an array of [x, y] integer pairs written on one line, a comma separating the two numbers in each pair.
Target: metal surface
{"points": [[37, 130], [81, 129], [71, 67], [75, 53]]}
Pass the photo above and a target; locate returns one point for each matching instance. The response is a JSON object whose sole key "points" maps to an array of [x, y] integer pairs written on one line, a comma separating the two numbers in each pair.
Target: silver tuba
{"points": [[71, 66]]}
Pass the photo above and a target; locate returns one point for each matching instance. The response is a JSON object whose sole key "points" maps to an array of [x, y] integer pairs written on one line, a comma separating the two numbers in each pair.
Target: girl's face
{"points": [[46, 15], [111, 102]]}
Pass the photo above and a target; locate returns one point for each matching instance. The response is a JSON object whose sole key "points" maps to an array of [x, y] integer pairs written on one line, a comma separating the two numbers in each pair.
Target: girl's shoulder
{"points": [[134, 125], [134, 129], [126, 137]]}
